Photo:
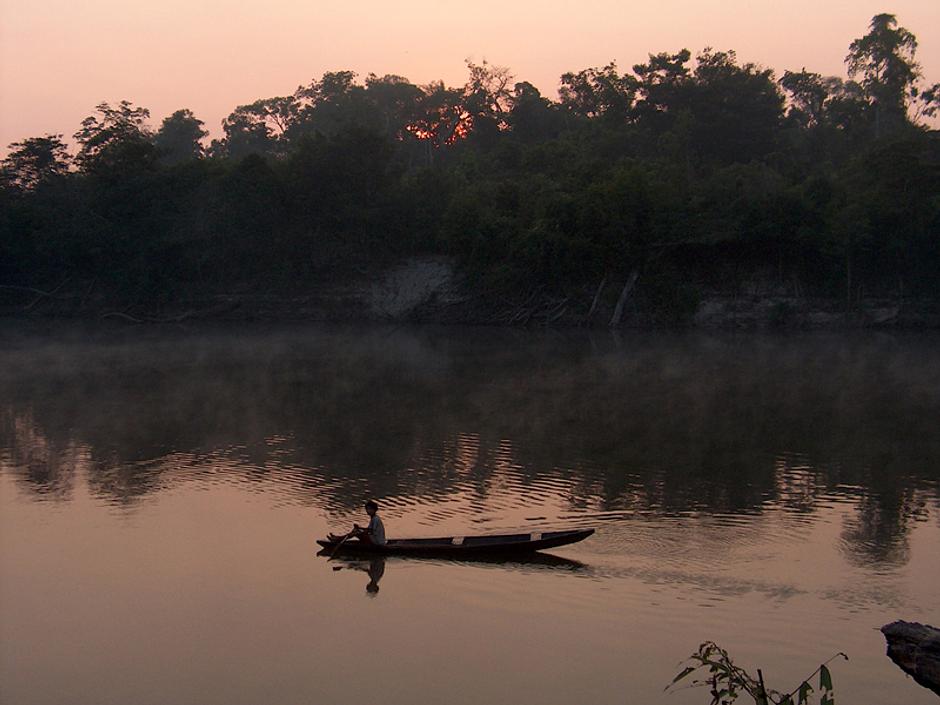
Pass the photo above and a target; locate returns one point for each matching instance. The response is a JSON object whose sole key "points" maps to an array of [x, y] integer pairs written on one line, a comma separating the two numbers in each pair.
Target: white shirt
{"points": [[377, 530]]}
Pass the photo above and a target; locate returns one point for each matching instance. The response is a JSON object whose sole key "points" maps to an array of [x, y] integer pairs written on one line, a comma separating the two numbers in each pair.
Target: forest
{"points": [[685, 174]]}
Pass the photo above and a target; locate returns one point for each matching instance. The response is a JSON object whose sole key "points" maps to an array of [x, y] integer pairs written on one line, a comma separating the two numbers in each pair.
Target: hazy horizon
{"points": [[58, 60]]}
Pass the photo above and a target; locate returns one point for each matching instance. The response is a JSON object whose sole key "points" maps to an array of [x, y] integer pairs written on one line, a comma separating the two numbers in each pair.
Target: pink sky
{"points": [[59, 58]]}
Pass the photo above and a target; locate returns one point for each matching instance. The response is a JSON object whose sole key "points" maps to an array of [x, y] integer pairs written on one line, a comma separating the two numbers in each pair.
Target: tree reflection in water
{"points": [[491, 424]]}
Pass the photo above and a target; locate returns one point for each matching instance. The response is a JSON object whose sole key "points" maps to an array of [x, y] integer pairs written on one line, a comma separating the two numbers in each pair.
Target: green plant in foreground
{"points": [[727, 682]]}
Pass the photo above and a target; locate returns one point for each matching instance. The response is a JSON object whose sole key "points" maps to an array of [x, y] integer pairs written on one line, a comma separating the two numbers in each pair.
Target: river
{"points": [[161, 489]]}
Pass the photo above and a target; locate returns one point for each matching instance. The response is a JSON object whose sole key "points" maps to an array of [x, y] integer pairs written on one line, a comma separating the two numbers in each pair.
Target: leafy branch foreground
{"points": [[727, 682]]}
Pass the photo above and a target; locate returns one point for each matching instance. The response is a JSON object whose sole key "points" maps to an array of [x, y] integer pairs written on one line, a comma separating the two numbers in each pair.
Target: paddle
{"points": [[336, 547]]}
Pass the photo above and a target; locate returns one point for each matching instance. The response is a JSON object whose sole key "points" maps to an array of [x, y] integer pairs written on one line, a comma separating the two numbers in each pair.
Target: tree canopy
{"points": [[697, 172], [884, 58]]}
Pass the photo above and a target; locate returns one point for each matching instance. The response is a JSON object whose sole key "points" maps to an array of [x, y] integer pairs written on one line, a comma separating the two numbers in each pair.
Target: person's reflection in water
{"points": [[375, 570]]}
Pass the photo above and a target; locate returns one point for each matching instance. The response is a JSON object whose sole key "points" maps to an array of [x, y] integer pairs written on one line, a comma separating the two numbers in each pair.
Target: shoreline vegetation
{"points": [[913, 647], [712, 667], [685, 192], [432, 290]]}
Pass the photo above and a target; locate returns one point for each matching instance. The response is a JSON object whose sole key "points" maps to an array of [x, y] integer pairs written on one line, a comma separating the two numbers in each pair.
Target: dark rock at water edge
{"points": [[915, 648]]}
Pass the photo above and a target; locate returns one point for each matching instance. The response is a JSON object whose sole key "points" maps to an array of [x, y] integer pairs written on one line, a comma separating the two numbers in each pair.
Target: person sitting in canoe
{"points": [[374, 533]]}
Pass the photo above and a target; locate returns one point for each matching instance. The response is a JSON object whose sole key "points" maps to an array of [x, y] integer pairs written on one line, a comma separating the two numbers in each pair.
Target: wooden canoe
{"points": [[455, 546]]}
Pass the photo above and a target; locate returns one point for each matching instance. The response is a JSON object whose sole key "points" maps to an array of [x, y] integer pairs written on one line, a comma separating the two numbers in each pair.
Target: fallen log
{"points": [[915, 648]]}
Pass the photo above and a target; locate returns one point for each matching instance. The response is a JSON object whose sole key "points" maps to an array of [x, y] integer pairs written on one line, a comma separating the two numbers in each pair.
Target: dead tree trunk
{"points": [[597, 297], [624, 294]]}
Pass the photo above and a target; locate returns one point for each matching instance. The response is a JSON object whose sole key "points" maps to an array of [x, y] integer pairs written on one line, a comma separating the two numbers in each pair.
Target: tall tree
{"points": [[396, 101], [845, 106], [532, 117], [331, 87], [885, 60], [662, 87], [487, 96], [808, 95], [442, 117], [179, 138], [34, 161], [257, 128], [736, 109], [332, 104], [596, 92], [114, 137]]}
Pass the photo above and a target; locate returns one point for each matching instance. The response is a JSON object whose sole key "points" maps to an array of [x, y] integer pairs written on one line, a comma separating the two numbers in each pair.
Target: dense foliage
{"points": [[697, 174]]}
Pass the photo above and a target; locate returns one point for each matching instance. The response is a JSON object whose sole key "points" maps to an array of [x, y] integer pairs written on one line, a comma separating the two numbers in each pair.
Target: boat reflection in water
{"points": [[374, 566]]}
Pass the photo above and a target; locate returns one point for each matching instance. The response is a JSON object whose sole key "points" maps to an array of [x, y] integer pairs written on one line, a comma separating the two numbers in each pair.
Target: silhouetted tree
{"points": [[115, 140], [487, 98], [808, 95], [597, 92], [332, 104], [258, 128], [927, 102], [845, 106], [736, 110], [442, 117], [532, 117], [885, 60], [34, 161], [662, 88], [332, 87], [179, 138], [396, 100]]}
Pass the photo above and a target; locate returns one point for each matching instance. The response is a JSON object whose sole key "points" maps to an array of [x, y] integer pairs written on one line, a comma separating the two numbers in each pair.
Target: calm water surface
{"points": [[161, 489]]}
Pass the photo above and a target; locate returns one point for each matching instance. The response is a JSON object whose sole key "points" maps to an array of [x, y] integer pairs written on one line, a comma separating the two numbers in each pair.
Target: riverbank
{"points": [[432, 290]]}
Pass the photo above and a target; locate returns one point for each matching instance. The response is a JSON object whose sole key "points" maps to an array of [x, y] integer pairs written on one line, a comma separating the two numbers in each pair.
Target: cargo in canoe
{"points": [[464, 545]]}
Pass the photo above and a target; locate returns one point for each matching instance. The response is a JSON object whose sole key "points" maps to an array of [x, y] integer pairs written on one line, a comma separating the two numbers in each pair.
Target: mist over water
{"points": [[161, 489]]}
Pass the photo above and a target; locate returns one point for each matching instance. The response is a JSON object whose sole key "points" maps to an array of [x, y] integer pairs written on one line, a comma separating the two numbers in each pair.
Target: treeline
{"points": [[688, 175]]}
